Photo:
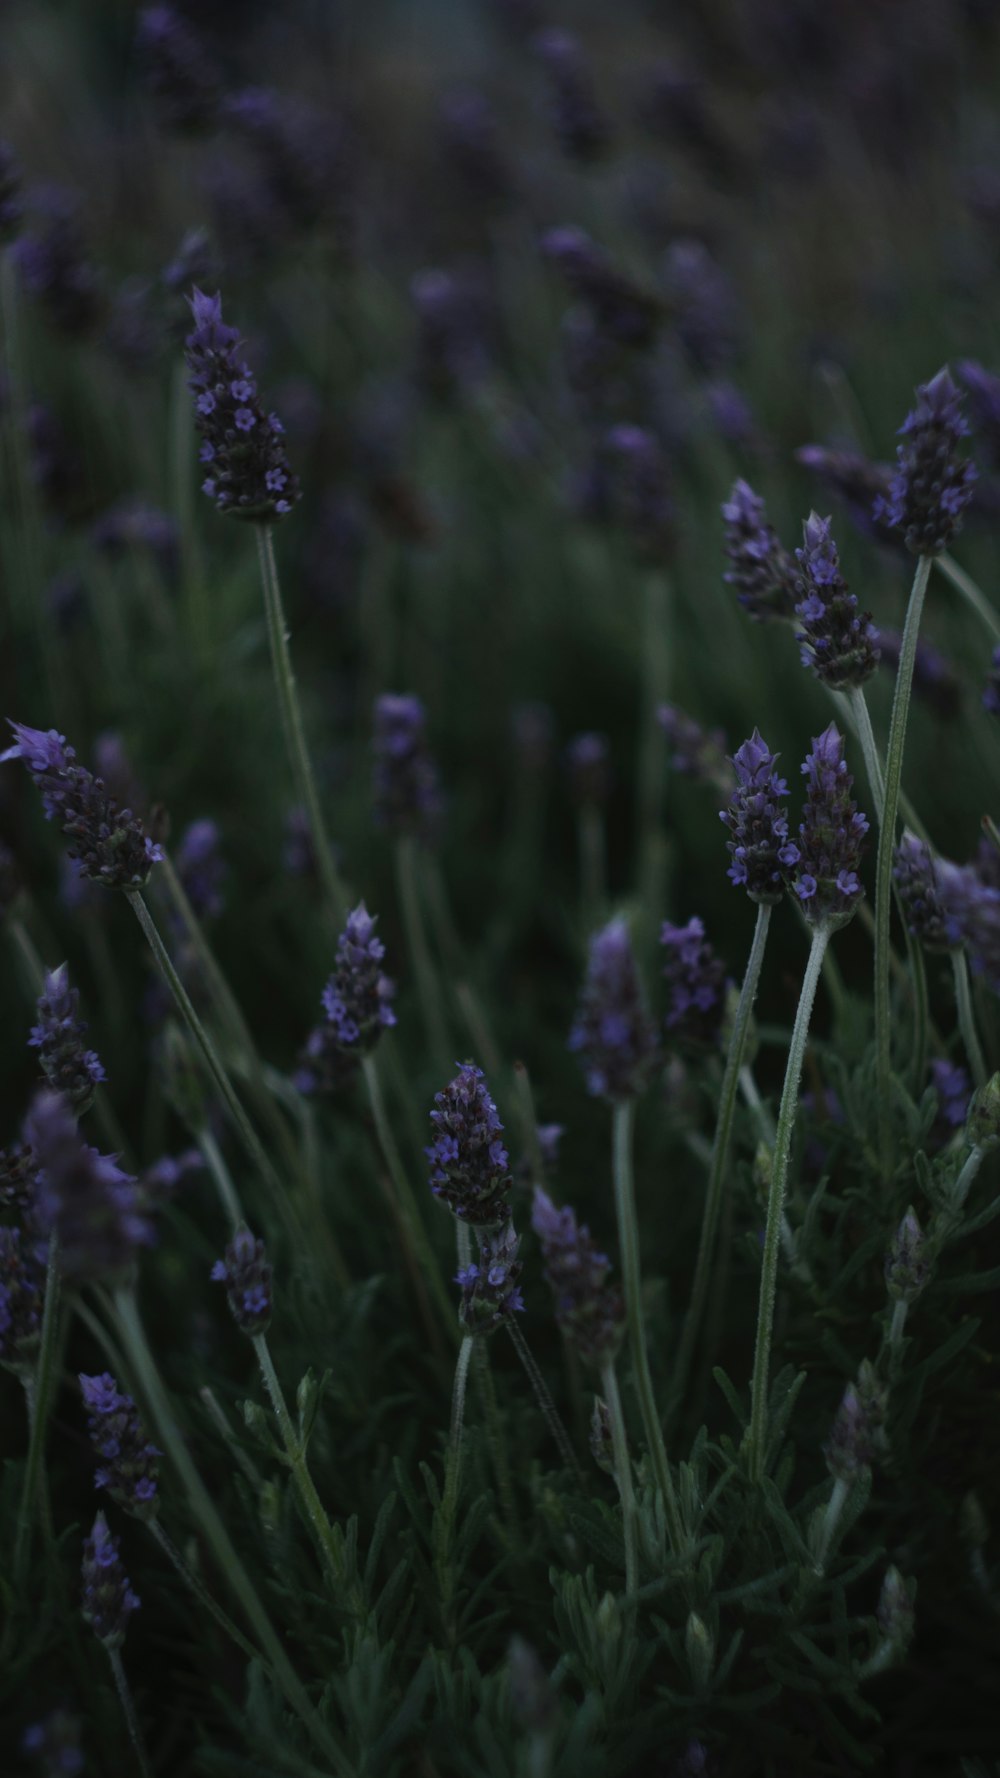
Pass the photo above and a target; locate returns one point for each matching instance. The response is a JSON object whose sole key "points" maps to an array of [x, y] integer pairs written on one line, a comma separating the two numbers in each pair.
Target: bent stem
{"points": [[966, 1016], [756, 1437], [883, 868], [623, 1473], [720, 1152], [148, 1377], [44, 1378], [196, 1585], [128, 1710], [549, 1410], [228, 1198], [291, 722], [628, 1241]]}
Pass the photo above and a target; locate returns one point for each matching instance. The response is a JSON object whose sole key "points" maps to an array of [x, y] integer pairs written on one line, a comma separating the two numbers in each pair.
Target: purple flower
{"points": [[471, 142], [245, 444], [954, 1090], [452, 348], [489, 1287], [127, 1461], [857, 481], [83, 1197], [613, 1033], [55, 269], [303, 177], [18, 1178], [246, 1275], [639, 488], [823, 865], [762, 572], [589, 769], [178, 70], [971, 907], [407, 792], [356, 998], [68, 1067], [907, 1266], [919, 885], [470, 1167], [839, 642], [108, 843], [851, 1445], [55, 1742], [200, 866], [983, 389], [701, 301], [932, 485], [697, 752], [22, 1296], [757, 822], [588, 1310], [577, 118], [622, 311], [108, 1600], [991, 695], [324, 1065], [696, 982]]}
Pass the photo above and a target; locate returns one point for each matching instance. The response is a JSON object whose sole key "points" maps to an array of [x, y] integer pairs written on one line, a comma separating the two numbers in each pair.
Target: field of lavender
{"points": [[499, 950]]}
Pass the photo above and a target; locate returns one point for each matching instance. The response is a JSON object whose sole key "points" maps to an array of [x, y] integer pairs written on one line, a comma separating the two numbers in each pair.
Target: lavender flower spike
{"points": [[697, 752], [991, 695], [761, 570], [824, 862], [108, 1600], [470, 1166], [247, 471], [587, 1309], [83, 1197], [247, 1277], [839, 642], [356, 998], [613, 1032], [67, 1066], [489, 1288], [177, 70], [697, 984], [128, 1466], [405, 780], [576, 114], [932, 485], [109, 844], [921, 892], [758, 823]]}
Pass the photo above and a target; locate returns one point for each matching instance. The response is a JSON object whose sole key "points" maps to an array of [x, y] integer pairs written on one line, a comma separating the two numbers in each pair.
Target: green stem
{"points": [[973, 595], [44, 1379], [718, 1166], [244, 1129], [756, 1438], [963, 1183], [966, 1016], [232, 1443], [422, 1252], [329, 1546], [623, 1473], [428, 986], [883, 869], [873, 765], [496, 1441], [223, 1178], [291, 722], [550, 1412], [128, 1710], [174, 1444], [628, 1241], [834, 1508], [652, 770], [454, 1460], [196, 1585]]}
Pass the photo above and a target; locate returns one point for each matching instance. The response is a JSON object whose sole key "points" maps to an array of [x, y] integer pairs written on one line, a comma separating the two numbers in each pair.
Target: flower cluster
{"points": [[919, 885], [247, 469], [178, 71], [18, 1178], [907, 1266], [639, 488], [971, 905], [587, 1309], [22, 1290], [701, 300], [696, 981], [851, 1445], [622, 312], [855, 480], [109, 844], [201, 868], [613, 1033], [839, 642], [405, 779], [696, 752], [470, 1166], [83, 1196], [246, 1275], [489, 1286], [758, 823], [983, 389], [954, 1090], [576, 116], [68, 1067], [56, 271], [824, 862], [932, 485], [128, 1465], [761, 570], [356, 998], [108, 1600], [991, 694]]}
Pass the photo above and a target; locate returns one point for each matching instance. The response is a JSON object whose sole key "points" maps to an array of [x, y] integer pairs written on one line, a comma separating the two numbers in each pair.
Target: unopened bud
{"points": [[601, 1444], [532, 1698], [906, 1266], [699, 1646], [982, 1125], [608, 1620], [849, 1447], [895, 1610]]}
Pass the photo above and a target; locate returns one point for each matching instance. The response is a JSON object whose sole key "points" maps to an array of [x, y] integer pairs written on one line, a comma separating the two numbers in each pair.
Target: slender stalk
{"points": [[883, 868], [44, 1379], [291, 722], [495, 1440], [652, 765], [628, 1241], [196, 1585], [147, 1375], [973, 594], [873, 765], [232, 1443], [756, 1438], [834, 1508], [210, 1055], [453, 1463], [966, 1016], [897, 1324], [550, 1412], [428, 986], [328, 1544], [228, 1196], [623, 1474], [719, 1163], [963, 1183], [424, 1257], [128, 1710]]}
